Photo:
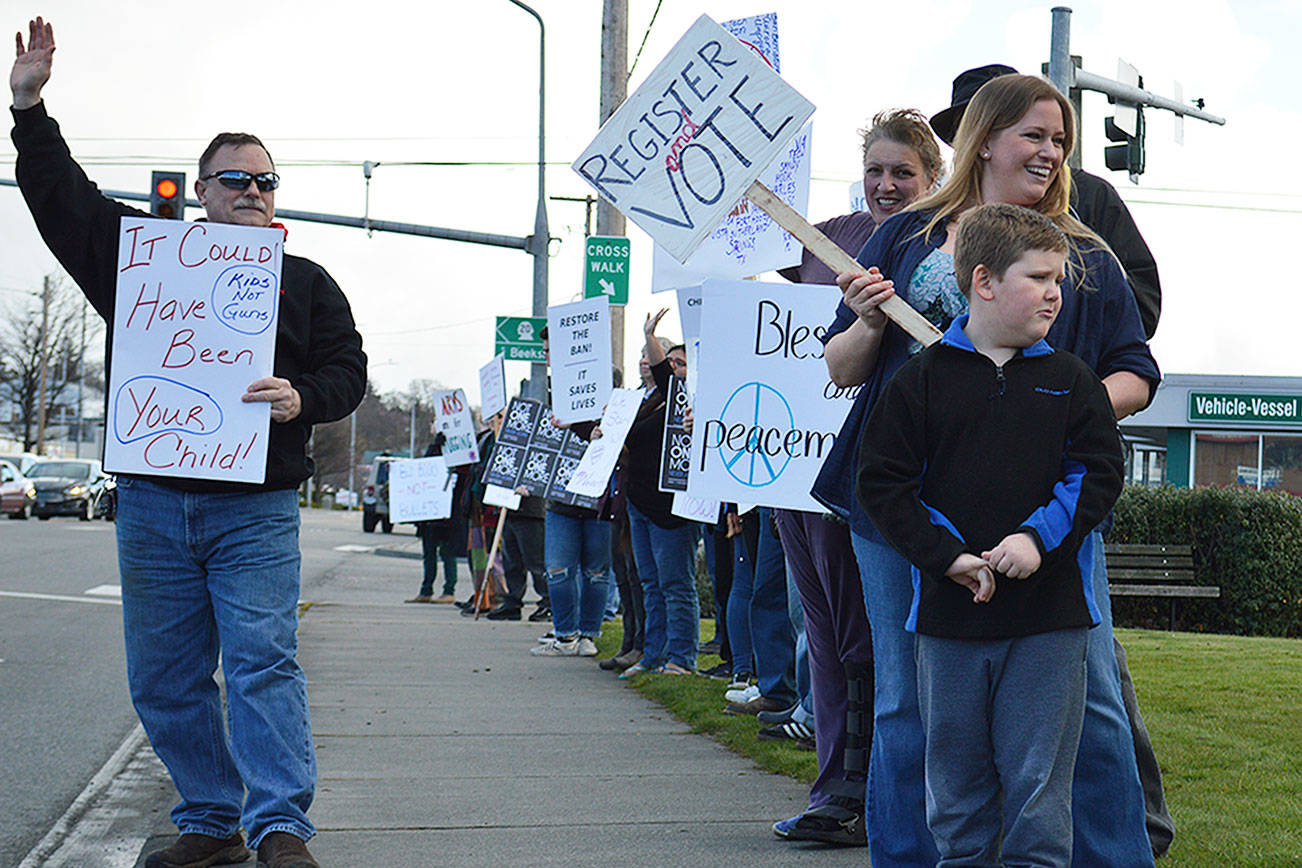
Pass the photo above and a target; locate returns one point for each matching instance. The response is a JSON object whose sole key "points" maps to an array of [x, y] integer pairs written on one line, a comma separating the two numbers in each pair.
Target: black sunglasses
{"points": [[238, 179]]}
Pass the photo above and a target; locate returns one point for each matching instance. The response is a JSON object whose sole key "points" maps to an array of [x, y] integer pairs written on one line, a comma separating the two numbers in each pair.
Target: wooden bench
{"points": [[1136, 570]]}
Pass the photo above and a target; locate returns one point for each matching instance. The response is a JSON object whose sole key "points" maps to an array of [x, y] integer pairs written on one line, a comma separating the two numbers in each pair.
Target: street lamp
{"points": [[538, 242]]}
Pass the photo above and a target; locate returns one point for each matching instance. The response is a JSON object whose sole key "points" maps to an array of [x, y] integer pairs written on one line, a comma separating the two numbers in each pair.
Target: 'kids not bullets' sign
{"points": [[194, 324]]}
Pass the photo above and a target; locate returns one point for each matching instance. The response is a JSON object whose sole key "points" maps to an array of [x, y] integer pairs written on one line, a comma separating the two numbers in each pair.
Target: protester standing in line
{"points": [[1096, 204], [664, 545], [443, 539], [210, 569], [901, 162], [1012, 146]]}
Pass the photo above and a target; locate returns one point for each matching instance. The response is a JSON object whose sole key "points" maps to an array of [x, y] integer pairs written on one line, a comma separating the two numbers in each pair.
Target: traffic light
{"points": [[1128, 156], [167, 195]]}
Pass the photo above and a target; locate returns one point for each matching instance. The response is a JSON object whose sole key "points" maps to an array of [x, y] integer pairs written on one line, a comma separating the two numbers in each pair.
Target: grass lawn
{"points": [[1224, 712]]}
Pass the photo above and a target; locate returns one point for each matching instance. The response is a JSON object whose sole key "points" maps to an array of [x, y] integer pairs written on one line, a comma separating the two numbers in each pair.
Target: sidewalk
{"points": [[441, 741]]}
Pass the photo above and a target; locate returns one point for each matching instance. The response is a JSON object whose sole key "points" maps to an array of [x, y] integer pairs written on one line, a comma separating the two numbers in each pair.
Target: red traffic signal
{"points": [[167, 195]]}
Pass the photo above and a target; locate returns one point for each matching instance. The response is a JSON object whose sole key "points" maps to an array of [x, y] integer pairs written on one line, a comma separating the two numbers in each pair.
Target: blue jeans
{"points": [[210, 574], [737, 622], [666, 564], [577, 551], [896, 807], [770, 623], [1107, 798], [796, 614]]}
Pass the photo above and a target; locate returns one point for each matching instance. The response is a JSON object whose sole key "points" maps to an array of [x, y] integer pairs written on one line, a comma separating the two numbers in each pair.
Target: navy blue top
{"points": [[1098, 322]]}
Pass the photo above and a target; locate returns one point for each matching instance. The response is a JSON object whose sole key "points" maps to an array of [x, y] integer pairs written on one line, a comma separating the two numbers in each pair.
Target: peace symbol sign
{"points": [[763, 409]]}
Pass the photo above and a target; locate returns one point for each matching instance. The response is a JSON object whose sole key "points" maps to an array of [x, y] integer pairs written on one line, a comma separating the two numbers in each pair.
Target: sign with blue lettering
{"points": [[682, 150], [766, 413]]}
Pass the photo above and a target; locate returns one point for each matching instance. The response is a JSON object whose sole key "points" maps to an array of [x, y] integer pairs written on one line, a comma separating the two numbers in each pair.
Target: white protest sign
{"points": [[492, 388], [766, 413], [194, 324], [452, 418], [496, 495], [695, 508], [683, 149], [420, 489], [598, 462], [858, 199], [689, 312], [748, 241], [578, 337]]}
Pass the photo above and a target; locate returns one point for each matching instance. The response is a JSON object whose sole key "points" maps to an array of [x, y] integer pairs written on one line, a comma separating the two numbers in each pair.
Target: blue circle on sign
{"points": [[761, 407]]}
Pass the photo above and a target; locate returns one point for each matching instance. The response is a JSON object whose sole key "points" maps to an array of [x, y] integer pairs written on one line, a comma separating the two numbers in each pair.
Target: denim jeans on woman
{"points": [[666, 564], [205, 575], [577, 551]]}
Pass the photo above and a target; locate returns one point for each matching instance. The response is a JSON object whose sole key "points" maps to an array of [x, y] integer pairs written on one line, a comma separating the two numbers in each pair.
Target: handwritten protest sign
{"points": [[420, 489], [748, 241], [680, 153], [592, 474], [676, 456], [194, 325], [452, 418], [766, 413], [692, 140], [492, 388], [532, 453], [579, 339], [496, 495], [700, 509]]}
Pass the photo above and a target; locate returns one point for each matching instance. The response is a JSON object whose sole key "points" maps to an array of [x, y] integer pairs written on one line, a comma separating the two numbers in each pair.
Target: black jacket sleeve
{"points": [[892, 458], [1100, 207]]}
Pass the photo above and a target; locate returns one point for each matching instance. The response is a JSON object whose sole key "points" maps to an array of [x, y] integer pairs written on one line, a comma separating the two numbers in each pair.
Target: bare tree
{"points": [[50, 336]]}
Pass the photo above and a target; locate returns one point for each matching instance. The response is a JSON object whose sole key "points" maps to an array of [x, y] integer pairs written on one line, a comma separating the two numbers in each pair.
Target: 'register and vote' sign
{"points": [[682, 151], [194, 325]]}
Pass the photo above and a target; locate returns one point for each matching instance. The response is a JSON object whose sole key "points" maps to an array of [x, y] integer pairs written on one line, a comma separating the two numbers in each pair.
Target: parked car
{"points": [[375, 496], [67, 486], [17, 493], [22, 460]]}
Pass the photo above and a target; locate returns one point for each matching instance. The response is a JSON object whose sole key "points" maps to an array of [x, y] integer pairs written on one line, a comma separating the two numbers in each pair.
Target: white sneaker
{"points": [[587, 648], [740, 696], [557, 648]]}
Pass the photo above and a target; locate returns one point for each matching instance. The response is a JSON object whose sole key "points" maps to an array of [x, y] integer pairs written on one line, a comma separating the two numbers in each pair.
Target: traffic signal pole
{"points": [[1063, 70]]}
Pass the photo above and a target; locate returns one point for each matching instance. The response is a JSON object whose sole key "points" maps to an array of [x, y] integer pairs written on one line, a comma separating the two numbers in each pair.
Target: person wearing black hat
{"points": [[1099, 207], [1093, 199]]}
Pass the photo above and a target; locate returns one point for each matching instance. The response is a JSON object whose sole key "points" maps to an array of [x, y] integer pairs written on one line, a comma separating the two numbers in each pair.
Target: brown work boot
{"points": [[284, 850], [193, 850]]}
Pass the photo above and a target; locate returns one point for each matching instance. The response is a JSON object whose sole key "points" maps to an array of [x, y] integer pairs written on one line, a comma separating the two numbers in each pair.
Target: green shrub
{"points": [[1247, 542]]}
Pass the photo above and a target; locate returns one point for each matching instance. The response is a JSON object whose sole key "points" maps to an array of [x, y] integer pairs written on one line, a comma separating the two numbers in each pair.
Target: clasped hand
{"points": [[1016, 556]]}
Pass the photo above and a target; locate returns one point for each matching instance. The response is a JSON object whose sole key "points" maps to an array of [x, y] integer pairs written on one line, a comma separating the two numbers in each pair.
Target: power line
{"points": [[638, 56]]}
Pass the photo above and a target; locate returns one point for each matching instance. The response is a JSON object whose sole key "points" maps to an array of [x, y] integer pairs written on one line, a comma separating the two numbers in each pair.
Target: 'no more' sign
{"points": [[682, 151]]}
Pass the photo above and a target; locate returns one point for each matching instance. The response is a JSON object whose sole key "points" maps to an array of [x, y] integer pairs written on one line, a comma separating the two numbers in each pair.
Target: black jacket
{"points": [[1098, 205], [959, 453], [318, 348]]}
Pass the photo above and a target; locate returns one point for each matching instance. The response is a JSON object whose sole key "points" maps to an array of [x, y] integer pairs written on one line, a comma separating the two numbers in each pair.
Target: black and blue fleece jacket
{"points": [[959, 453]]}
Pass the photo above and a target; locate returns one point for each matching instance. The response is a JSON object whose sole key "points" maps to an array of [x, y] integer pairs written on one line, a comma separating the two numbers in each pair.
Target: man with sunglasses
{"points": [[210, 568]]}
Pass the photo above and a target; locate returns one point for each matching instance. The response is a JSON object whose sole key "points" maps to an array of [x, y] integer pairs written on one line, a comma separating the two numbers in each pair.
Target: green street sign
{"points": [[1234, 407], [605, 268], [519, 338]]}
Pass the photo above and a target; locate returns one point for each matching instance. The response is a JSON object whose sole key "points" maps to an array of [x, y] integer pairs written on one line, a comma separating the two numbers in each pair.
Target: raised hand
{"points": [[32, 63]]}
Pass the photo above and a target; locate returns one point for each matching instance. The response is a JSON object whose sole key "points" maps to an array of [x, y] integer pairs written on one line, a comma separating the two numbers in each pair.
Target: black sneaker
{"points": [[723, 670], [711, 647], [193, 850], [789, 731], [502, 613], [840, 821], [542, 613]]}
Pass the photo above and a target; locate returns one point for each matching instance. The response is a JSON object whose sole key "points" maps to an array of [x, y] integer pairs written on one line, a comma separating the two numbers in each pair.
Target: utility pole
{"points": [[81, 381], [614, 90], [45, 366]]}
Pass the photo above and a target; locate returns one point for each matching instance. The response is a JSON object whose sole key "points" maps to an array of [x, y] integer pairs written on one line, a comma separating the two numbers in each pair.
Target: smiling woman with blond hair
{"points": [[1012, 146]]}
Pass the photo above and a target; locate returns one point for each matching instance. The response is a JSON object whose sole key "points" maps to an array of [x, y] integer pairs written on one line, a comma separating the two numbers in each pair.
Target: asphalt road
{"points": [[64, 706]]}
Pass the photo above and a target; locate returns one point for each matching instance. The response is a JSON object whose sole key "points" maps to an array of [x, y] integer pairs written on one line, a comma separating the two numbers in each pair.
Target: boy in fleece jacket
{"points": [[986, 462]]}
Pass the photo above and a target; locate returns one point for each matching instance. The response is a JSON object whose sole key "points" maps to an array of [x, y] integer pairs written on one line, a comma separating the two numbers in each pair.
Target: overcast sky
{"points": [[142, 84]]}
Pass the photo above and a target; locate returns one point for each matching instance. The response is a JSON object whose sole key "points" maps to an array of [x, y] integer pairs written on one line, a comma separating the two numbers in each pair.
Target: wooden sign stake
{"points": [[838, 260]]}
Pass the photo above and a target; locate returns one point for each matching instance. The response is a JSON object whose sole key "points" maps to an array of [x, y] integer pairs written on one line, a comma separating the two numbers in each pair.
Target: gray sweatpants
{"points": [[1003, 721]]}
